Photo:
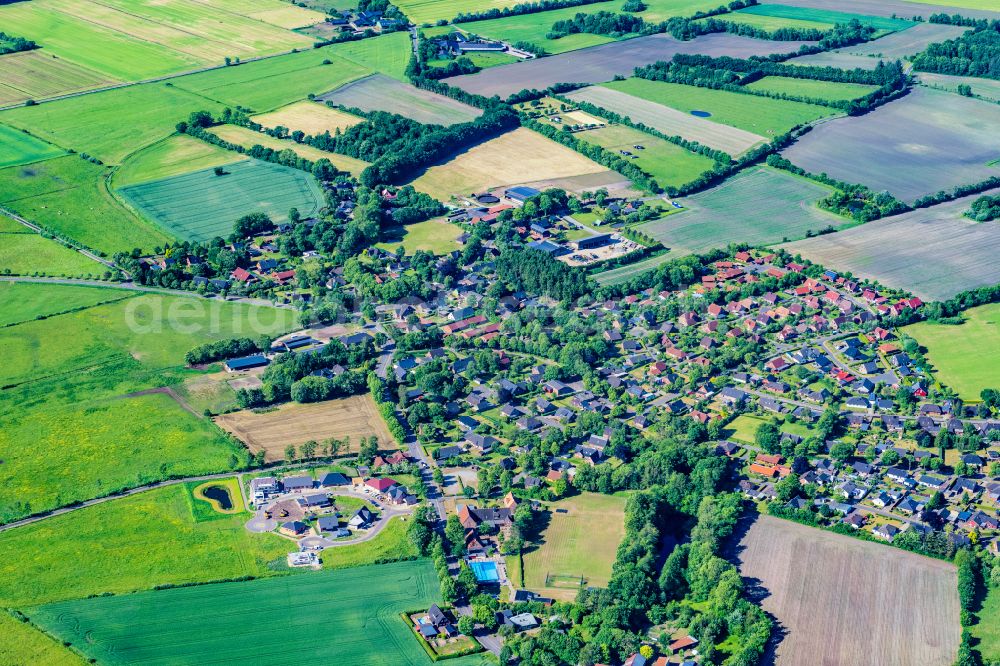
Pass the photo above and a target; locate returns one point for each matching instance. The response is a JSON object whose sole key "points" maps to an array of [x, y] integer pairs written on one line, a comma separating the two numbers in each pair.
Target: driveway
{"points": [[259, 524]]}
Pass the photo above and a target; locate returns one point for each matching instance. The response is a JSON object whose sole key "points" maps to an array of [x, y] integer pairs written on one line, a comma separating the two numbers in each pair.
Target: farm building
{"points": [[591, 242], [521, 193], [246, 363]]}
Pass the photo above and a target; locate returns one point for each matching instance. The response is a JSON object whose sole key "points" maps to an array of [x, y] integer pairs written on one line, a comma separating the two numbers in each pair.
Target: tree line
{"points": [[521, 8]]}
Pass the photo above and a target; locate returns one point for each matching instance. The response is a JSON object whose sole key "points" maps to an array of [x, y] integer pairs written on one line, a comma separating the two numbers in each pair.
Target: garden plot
{"points": [[925, 142], [907, 42], [381, 93], [602, 63], [295, 424], [933, 252], [759, 206], [840, 600], [309, 117], [669, 121], [517, 157], [202, 205]]}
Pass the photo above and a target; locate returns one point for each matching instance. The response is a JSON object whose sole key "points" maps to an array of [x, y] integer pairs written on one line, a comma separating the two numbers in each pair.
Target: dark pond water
{"points": [[220, 495], [701, 114]]}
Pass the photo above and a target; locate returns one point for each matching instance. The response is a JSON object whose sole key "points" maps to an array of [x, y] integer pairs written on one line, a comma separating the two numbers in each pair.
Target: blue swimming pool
{"points": [[485, 572]]}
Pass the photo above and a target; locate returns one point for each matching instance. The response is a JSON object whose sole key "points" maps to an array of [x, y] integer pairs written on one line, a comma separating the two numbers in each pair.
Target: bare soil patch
{"points": [[839, 600], [295, 424]]}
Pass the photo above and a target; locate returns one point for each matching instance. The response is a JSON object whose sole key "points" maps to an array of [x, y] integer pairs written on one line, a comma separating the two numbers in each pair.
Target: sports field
{"points": [[87, 376], [309, 117], [759, 206], [111, 124], [437, 236], [30, 254], [382, 93], [209, 622], [17, 147], [581, 540], [761, 115], [812, 88], [37, 75], [68, 196], [354, 417], [516, 157], [907, 42], [897, 250], [927, 141], [668, 163], [813, 580], [825, 16], [173, 156], [248, 138], [965, 357], [669, 121], [266, 85], [202, 205]]}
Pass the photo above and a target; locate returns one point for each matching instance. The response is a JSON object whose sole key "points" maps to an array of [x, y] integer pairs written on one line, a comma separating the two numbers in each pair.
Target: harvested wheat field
{"points": [[521, 156], [309, 117], [839, 601], [295, 424]]}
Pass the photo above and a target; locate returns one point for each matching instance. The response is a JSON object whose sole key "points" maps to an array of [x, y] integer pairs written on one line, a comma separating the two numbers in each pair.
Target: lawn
{"points": [[391, 544], [173, 156], [309, 117], [201, 205], [965, 357], [437, 236], [581, 539], [24, 302], [519, 156], [760, 115], [67, 195], [78, 396], [30, 254], [17, 147], [987, 630], [111, 124], [383, 93], [760, 206], [241, 136], [812, 88], [209, 622], [744, 428], [24, 644]]}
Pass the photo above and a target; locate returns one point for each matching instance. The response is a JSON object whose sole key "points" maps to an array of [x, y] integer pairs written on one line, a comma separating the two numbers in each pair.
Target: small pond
{"points": [[701, 114], [220, 495]]}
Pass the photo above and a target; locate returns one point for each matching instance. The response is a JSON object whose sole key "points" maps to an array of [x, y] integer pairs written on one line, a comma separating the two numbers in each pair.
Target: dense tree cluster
{"points": [[598, 23], [223, 349], [537, 272], [14, 44], [976, 53]]}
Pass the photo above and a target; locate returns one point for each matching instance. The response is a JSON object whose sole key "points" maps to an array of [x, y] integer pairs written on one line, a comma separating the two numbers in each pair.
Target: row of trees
{"points": [[521, 8]]}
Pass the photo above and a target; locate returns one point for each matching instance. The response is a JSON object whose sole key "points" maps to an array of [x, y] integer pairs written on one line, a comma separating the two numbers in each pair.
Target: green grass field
{"points": [[812, 88], [24, 644], [265, 85], [623, 274], [760, 206], [986, 632], [17, 147], [30, 254], [744, 428], [772, 23], [68, 196], [965, 357], [437, 236], [760, 115], [24, 302], [392, 543], [581, 542], [209, 622], [201, 205], [826, 16], [84, 378], [989, 5], [175, 155], [111, 124], [668, 163]]}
